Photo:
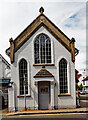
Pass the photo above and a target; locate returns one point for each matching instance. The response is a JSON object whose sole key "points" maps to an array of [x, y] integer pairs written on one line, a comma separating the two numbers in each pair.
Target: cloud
{"points": [[81, 62], [44, 1], [75, 26], [78, 19], [68, 25], [68, 16]]}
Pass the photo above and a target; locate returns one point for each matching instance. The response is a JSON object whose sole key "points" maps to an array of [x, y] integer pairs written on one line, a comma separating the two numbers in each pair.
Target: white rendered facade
{"points": [[4, 68], [56, 101], [85, 85], [5, 76], [43, 57]]}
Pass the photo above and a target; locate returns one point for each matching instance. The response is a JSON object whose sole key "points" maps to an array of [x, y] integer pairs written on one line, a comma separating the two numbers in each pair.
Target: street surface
{"points": [[84, 101], [65, 116]]}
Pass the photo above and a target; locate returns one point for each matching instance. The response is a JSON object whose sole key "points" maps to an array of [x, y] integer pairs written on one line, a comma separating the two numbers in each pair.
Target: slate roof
{"points": [[43, 73], [4, 60]]}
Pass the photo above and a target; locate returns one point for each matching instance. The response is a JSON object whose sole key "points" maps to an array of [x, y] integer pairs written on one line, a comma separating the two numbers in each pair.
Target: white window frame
{"points": [[68, 75], [52, 48], [29, 76], [45, 51]]}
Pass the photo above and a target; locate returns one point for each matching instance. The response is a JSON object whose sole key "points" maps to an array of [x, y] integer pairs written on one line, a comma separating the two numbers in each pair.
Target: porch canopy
{"points": [[44, 75]]}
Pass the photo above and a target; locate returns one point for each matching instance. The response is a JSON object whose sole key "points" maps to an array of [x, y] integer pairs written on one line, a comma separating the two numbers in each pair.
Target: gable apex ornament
{"points": [[41, 10]]}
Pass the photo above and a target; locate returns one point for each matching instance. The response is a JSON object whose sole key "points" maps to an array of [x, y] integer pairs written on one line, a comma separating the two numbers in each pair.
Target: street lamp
{"points": [[10, 84]]}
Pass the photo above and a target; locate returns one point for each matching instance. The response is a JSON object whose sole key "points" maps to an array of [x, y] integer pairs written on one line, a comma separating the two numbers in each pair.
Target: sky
{"points": [[67, 15]]}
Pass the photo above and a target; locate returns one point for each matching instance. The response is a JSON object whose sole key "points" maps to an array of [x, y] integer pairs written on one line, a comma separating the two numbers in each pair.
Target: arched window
{"points": [[63, 76], [22, 72], [42, 49]]}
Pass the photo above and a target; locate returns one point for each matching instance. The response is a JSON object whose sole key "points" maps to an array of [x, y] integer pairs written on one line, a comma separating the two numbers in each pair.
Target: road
{"points": [[84, 101], [84, 97], [65, 116]]}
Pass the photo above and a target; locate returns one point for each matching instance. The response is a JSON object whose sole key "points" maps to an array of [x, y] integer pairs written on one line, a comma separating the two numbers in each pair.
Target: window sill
{"points": [[64, 95], [20, 96], [43, 64]]}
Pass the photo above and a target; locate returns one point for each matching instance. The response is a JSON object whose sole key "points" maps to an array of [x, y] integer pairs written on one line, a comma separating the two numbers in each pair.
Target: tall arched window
{"points": [[42, 49], [22, 71], [63, 76]]}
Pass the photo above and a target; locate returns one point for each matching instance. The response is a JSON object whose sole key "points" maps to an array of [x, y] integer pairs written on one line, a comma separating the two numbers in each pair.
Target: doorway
{"points": [[43, 95]]}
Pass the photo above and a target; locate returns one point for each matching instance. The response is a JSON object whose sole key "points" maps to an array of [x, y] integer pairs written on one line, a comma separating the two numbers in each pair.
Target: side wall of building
{"points": [[4, 69], [85, 86]]}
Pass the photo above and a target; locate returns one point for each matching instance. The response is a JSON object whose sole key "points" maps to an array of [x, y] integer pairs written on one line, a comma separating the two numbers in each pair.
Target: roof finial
{"points": [[11, 39], [41, 10], [72, 40]]}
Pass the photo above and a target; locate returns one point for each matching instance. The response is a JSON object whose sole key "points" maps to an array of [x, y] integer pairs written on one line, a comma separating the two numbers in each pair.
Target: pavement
{"points": [[31, 112], [83, 109]]}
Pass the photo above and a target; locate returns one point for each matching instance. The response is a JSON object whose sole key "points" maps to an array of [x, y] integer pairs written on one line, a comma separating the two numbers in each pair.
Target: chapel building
{"points": [[44, 57]]}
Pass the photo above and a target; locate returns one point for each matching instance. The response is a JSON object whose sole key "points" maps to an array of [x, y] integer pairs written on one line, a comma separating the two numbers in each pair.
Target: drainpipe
{"points": [[24, 92], [54, 94], [14, 97]]}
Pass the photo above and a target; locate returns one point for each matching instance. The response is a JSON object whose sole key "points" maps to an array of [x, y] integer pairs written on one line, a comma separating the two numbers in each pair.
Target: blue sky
{"points": [[69, 16], [73, 16], [74, 19]]}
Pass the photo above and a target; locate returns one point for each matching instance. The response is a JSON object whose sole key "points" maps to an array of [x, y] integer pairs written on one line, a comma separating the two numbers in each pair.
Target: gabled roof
{"points": [[40, 21], [4, 60], [85, 79], [43, 73]]}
